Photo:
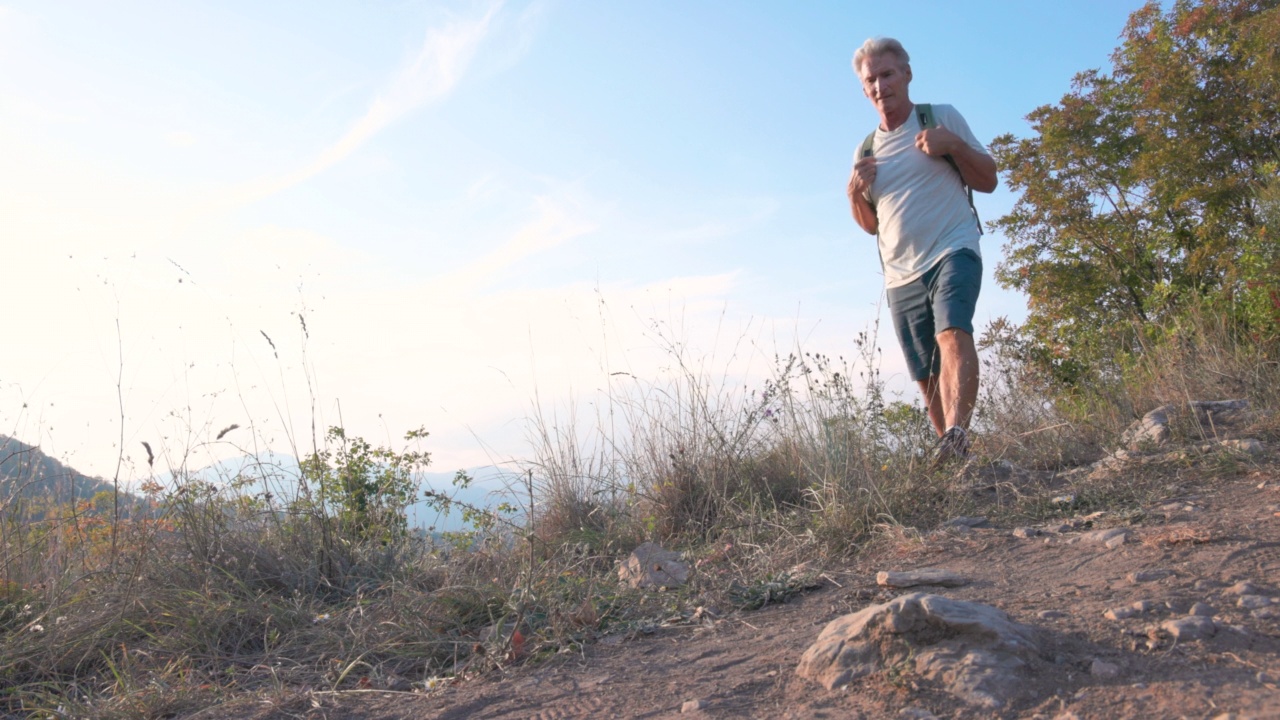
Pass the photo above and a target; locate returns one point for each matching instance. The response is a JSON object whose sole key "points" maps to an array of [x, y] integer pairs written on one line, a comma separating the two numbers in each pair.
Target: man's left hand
{"points": [[938, 141]]}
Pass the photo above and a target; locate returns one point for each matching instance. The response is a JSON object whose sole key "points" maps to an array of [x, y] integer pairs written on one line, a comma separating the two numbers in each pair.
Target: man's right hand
{"points": [[864, 173]]}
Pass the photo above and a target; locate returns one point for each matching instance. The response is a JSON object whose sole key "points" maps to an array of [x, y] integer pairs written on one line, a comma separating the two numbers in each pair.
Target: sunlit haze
{"points": [[401, 214]]}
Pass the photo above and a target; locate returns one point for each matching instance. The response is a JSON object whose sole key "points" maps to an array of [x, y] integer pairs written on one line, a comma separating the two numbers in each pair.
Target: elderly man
{"points": [[910, 187]]}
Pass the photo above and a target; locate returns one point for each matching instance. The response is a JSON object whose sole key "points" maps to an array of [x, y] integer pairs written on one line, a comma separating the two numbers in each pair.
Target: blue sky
{"points": [[475, 206]]}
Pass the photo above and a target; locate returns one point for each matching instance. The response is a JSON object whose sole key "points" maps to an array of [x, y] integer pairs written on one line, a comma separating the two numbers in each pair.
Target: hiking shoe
{"points": [[953, 445]]}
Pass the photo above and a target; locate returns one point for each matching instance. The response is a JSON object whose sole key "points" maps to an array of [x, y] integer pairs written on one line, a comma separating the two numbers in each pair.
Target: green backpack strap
{"points": [[924, 111]]}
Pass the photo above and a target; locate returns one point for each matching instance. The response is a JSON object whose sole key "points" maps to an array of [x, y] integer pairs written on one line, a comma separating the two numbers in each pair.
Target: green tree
{"points": [[1141, 189]]}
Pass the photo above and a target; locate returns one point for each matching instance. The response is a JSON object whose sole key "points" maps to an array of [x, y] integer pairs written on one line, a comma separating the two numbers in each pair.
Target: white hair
{"points": [[877, 46]]}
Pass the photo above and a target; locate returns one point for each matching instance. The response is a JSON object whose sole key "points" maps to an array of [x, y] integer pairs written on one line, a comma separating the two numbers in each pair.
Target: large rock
{"points": [[651, 566], [975, 651]]}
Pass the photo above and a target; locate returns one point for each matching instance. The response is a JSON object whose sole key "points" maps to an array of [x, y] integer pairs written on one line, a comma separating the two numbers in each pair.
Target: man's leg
{"points": [[930, 389], [958, 382]]}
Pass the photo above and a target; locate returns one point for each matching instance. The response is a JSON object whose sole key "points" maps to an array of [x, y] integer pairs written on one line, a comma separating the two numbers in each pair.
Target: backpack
{"points": [[925, 112]]}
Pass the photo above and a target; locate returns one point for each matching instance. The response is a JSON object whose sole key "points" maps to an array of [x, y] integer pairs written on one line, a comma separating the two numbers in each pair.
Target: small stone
{"points": [[1203, 610], [650, 566], [1271, 612], [1025, 532], [1145, 576], [917, 714], [965, 522], [1203, 585], [1103, 669], [1120, 613], [1068, 715], [1102, 536], [1064, 500], [691, 706], [1145, 606], [1253, 602], [1059, 529], [1267, 678], [1115, 542], [1244, 587], [1190, 628], [1248, 446], [1050, 614]]}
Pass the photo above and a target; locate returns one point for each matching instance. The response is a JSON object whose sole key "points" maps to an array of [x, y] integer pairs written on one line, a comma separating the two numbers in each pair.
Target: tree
{"points": [[1145, 188]]}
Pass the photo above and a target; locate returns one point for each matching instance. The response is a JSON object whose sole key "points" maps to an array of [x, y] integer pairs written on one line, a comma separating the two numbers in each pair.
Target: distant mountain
{"points": [[25, 469]]}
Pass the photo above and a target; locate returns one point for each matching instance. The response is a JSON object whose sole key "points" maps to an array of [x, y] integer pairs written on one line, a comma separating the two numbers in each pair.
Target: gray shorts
{"points": [[942, 298]]}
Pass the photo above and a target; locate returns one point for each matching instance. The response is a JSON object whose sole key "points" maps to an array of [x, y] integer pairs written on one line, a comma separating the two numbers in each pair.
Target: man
{"points": [[907, 193]]}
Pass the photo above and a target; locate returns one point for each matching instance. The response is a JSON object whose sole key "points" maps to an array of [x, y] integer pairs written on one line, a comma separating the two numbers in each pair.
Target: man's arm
{"points": [[864, 173], [977, 169]]}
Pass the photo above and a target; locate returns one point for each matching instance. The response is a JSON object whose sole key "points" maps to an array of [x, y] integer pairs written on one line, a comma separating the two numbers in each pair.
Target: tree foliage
{"points": [[1149, 187]]}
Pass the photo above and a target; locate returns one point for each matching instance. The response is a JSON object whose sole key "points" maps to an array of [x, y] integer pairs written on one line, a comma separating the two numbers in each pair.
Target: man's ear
{"points": [[908, 72]]}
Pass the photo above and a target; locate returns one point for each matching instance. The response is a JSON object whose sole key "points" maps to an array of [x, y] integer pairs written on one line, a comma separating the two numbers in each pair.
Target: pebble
{"points": [[1253, 602], [1145, 606], [1143, 576], [965, 522], [1115, 542], [1190, 628], [691, 706], [1102, 536], [917, 714], [1103, 669], [1271, 612], [1203, 610], [1050, 614], [1243, 587], [1120, 613], [1267, 678], [1025, 532], [1203, 585]]}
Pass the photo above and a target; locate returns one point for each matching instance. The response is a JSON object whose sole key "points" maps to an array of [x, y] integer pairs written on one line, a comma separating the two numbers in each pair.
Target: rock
{"points": [[1102, 536], [1244, 587], [1190, 628], [1267, 678], [1120, 613], [1145, 606], [1248, 446], [1146, 576], [1271, 612], [1059, 529], [916, 714], [649, 566], [691, 706], [1114, 542], [1025, 532], [1068, 499], [1203, 610], [1209, 411], [1103, 669], [962, 521], [1253, 602], [1051, 615], [974, 650], [925, 576], [1152, 429], [1204, 585]]}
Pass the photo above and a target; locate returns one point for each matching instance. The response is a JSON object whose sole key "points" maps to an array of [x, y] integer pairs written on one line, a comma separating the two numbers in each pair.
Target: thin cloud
{"points": [[430, 75]]}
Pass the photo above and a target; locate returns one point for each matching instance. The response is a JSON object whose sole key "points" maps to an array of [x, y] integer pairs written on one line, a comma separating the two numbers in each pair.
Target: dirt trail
{"points": [[1196, 547]]}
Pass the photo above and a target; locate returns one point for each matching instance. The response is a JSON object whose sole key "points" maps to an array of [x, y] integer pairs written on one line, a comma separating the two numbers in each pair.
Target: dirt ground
{"points": [[1196, 545]]}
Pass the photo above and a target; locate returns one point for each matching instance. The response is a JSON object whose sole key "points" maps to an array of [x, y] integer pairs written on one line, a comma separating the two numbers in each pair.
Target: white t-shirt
{"points": [[920, 202]]}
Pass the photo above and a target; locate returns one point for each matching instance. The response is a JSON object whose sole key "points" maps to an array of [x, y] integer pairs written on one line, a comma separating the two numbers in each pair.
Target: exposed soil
{"points": [[1200, 541]]}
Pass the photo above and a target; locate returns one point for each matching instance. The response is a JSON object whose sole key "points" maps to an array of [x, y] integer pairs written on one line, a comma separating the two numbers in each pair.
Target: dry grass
{"points": [[233, 589]]}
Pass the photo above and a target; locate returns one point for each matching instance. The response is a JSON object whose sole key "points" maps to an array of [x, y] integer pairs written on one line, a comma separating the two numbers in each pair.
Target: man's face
{"points": [[884, 81]]}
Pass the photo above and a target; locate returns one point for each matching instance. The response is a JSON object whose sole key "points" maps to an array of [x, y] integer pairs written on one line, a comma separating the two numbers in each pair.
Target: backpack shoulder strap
{"points": [[867, 145], [924, 111]]}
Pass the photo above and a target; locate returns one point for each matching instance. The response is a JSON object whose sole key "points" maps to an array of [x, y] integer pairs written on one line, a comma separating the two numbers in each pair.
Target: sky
{"points": [[451, 215]]}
